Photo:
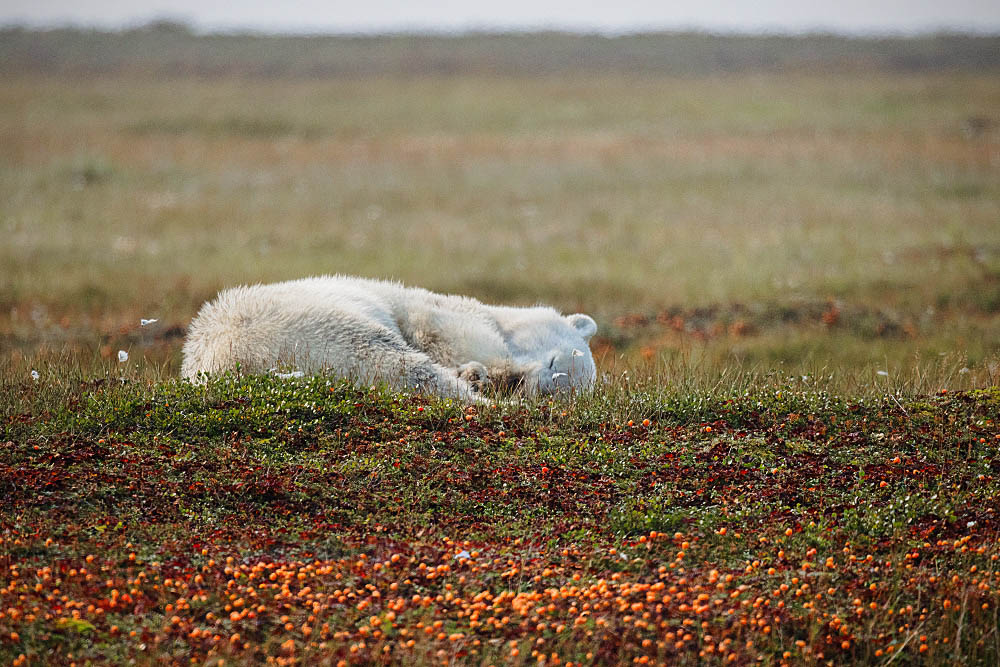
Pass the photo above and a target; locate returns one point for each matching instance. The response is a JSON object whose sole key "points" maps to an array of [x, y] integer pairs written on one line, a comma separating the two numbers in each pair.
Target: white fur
{"points": [[371, 330]]}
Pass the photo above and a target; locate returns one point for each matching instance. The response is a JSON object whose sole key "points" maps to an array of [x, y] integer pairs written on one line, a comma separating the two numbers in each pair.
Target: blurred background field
{"points": [[807, 204]]}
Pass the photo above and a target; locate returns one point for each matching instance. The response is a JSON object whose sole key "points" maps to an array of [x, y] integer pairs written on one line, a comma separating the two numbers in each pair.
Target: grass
{"points": [[802, 219], [256, 519], [790, 456]]}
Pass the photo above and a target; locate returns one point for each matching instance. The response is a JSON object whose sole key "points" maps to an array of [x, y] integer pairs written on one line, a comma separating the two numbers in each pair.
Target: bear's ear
{"points": [[585, 324]]}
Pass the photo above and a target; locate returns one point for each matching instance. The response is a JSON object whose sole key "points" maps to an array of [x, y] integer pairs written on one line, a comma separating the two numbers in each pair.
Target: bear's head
{"points": [[552, 354]]}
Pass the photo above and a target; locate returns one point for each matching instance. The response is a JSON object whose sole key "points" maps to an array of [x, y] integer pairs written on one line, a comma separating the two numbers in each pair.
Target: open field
{"points": [[793, 256], [816, 221]]}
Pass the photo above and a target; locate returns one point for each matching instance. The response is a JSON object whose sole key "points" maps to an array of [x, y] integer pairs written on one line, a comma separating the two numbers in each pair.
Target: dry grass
{"points": [[799, 221]]}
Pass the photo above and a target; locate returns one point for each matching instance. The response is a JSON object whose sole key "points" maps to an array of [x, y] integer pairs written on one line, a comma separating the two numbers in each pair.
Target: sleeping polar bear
{"points": [[376, 331]]}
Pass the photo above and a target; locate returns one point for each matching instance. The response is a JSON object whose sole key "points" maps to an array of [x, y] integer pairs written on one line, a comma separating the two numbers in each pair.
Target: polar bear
{"points": [[378, 331]]}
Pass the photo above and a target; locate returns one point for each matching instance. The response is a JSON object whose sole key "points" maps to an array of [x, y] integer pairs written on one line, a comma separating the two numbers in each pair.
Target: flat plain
{"points": [[791, 454], [815, 221]]}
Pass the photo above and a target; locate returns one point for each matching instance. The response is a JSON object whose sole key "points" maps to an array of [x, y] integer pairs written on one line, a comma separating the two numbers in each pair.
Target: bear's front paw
{"points": [[475, 374]]}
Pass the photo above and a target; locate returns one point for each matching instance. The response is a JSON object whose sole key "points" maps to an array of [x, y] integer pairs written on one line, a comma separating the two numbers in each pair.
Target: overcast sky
{"points": [[852, 16]]}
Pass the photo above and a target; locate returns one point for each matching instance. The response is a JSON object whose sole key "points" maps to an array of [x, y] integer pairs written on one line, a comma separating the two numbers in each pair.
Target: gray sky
{"points": [[853, 16]]}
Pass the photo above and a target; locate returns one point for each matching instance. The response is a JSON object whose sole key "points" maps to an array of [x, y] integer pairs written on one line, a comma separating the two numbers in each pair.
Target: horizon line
{"points": [[182, 25]]}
